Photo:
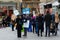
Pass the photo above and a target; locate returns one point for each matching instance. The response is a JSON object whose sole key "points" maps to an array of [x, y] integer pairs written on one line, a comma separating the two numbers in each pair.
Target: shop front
{"points": [[33, 6], [6, 9]]}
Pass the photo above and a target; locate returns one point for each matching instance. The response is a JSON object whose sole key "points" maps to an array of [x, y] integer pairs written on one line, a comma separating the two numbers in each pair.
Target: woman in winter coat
{"points": [[56, 21]]}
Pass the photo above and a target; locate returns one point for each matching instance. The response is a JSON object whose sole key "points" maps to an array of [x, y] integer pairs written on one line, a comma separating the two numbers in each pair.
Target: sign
{"points": [[26, 10], [26, 24], [16, 12]]}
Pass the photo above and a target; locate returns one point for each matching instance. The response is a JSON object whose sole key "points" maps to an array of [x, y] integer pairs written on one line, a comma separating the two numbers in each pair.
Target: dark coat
{"points": [[40, 22], [19, 24], [48, 19], [33, 21], [24, 20], [8, 19]]}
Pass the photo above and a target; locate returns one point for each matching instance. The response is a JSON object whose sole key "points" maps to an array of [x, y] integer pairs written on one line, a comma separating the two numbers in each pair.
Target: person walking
{"points": [[48, 19], [56, 21], [34, 23], [43, 22], [40, 24], [13, 17]]}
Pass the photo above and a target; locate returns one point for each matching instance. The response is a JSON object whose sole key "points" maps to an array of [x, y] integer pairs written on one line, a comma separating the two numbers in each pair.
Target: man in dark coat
{"points": [[40, 24], [19, 25], [48, 19], [8, 20]]}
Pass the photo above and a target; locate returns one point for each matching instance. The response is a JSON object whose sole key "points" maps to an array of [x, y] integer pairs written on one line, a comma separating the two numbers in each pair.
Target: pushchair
{"points": [[53, 28]]}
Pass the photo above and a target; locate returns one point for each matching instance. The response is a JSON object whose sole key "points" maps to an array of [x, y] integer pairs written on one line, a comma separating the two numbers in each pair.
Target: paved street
{"points": [[7, 34]]}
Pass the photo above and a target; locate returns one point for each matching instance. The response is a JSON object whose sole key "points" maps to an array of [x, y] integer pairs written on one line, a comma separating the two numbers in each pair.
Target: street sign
{"points": [[26, 10], [16, 12]]}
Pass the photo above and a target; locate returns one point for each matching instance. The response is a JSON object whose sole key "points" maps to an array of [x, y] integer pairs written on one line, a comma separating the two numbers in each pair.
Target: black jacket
{"points": [[8, 19], [24, 19], [48, 18], [19, 23], [39, 19]]}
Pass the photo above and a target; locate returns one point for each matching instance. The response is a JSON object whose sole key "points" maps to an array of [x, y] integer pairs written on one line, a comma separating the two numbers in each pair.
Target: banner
{"points": [[26, 10], [16, 12]]}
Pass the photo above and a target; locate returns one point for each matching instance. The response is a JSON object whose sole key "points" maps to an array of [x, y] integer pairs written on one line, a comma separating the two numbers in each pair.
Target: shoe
{"points": [[12, 30], [19, 37], [52, 34], [48, 35], [45, 35], [38, 35], [36, 32], [57, 29], [41, 35], [55, 34], [33, 32], [24, 35]]}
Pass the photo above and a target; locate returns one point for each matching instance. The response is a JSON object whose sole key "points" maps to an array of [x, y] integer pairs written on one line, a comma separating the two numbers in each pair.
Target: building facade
{"points": [[8, 5]]}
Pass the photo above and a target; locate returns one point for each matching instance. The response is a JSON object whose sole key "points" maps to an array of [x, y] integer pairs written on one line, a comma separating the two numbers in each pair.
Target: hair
{"points": [[40, 14], [56, 13], [17, 16], [47, 12]]}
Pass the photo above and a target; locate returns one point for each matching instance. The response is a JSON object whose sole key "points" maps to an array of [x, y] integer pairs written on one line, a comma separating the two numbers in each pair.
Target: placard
{"points": [[26, 10], [16, 12]]}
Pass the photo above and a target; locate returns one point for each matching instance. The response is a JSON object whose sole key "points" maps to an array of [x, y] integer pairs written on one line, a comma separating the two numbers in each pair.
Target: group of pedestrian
{"points": [[37, 23], [48, 19], [6, 21]]}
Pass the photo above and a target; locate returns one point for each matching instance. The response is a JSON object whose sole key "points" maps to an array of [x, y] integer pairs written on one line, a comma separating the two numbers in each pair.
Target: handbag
{"points": [[26, 24]]}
